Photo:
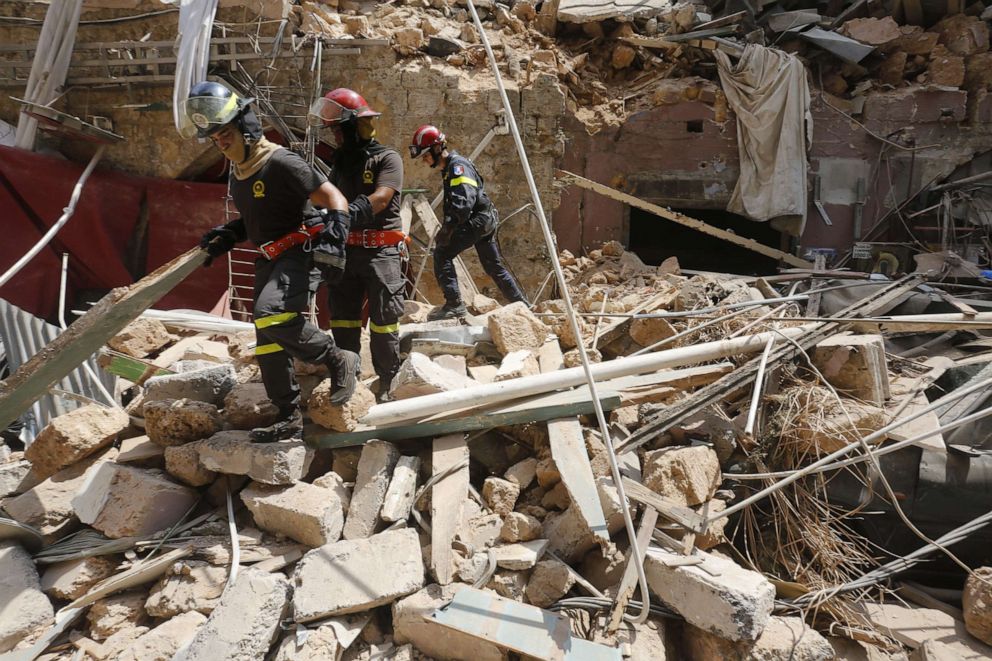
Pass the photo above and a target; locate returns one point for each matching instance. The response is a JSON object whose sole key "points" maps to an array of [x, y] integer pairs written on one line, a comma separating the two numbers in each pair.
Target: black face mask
{"points": [[352, 155]]}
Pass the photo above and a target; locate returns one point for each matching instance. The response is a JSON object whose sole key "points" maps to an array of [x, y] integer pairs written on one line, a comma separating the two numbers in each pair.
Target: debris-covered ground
{"points": [[158, 531]]}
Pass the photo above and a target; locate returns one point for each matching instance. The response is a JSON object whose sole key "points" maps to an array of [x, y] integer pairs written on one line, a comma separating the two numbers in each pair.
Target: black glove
{"points": [[222, 239], [329, 247], [443, 237], [361, 211]]}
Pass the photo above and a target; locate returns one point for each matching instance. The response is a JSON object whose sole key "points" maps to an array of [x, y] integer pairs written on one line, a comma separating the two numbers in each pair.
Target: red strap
{"points": [[376, 238]]}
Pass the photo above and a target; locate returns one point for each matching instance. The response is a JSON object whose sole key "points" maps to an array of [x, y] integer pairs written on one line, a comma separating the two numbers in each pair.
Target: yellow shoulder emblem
{"points": [[368, 177], [258, 188]]}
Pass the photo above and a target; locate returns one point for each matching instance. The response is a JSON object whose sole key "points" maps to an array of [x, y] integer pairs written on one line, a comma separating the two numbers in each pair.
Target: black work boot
{"points": [[345, 366], [448, 311], [289, 425]]}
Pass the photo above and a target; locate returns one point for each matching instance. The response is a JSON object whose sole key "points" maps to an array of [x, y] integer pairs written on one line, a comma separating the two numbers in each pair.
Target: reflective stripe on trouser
{"points": [[476, 232], [281, 331], [378, 274]]}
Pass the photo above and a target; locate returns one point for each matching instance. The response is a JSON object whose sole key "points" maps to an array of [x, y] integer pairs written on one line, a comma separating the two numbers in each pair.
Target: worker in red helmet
{"points": [[371, 176], [470, 219]]}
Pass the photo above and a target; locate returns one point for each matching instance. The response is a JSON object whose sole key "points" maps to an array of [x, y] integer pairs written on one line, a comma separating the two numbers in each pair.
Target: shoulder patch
{"points": [[458, 170]]}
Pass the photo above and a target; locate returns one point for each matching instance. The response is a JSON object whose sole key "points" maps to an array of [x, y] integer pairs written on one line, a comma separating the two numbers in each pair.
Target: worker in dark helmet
{"points": [[370, 175], [275, 191], [470, 219]]}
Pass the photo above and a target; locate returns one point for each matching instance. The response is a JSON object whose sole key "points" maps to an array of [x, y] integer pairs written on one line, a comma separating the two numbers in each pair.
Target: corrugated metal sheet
{"points": [[23, 335]]}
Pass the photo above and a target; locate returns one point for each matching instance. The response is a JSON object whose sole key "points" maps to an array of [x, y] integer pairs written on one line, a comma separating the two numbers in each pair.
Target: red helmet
{"points": [[339, 105], [424, 138]]}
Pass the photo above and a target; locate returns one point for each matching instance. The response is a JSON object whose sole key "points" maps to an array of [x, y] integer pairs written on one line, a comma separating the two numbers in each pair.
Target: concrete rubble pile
{"points": [[380, 550]]}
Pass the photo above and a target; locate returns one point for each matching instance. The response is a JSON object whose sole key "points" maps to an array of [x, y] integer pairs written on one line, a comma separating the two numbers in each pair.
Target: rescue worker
{"points": [[470, 219], [370, 175], [274, 189]]}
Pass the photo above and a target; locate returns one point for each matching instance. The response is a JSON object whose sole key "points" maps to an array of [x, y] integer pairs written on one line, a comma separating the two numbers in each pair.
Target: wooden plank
{"points": [[536, 409], [89, 333], [683, 516], [431, 225], [629, 581], [730, 237], [568, 449], [447, 497]]}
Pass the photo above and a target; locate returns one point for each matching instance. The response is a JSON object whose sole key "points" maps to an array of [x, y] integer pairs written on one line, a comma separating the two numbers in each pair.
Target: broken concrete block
{"points": [[140, 449], [175, 422], [963, 34], [977, 604], [515, 327], [481, 530], [547, 473], [729, 601], [419, 375], [456, 364], [548, 583], [183, 463], [519, 527], [783, 638], [568, 532], [320, 643], [141, 337], [162, 642], [25, 607], [412, 623], [374, 471], [872, 31], [501, 495], [17, 477], [209, 384], [558, 498], [522, 472], [517, 364], [333, 481], [123, 501], [856, 365], [483, 373], [233, 453], [73, 436], [188, 585], [244, 624], [365, 573], [339, 418], [120, 611], [247, 406], [517, 557], [683, 475], [48, 506], [549, 356], [509, 584], [650, 330], [71, 579], [402, 488], [309, 514]]}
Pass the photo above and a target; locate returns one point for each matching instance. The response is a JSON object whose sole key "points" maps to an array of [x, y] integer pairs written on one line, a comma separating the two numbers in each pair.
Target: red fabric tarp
{"points": [[104, 234]]}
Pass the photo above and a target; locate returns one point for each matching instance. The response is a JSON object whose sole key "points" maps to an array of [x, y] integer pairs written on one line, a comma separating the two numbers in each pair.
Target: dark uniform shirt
{"points": [[383, 168], [274, 200], [464, 196]]}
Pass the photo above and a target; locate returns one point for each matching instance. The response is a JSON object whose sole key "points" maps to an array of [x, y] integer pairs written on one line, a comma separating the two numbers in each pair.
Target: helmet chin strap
{"points": [[239, 149]]}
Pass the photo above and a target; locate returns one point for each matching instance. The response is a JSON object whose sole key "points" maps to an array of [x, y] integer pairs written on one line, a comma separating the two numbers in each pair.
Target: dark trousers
{"points": [[478, 231], [375, 274], [281, 329]]}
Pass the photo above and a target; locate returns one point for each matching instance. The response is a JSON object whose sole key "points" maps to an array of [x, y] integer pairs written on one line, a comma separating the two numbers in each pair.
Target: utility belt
{"points": [[272, 249], [373, 238]]}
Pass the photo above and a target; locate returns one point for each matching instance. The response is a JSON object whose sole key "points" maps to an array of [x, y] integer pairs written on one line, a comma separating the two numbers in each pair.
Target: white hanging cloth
{"points": [[196, 21]]}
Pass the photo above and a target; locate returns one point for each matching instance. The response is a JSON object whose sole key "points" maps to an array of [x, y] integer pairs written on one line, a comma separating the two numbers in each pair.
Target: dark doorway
{"points": [[655, 239]]}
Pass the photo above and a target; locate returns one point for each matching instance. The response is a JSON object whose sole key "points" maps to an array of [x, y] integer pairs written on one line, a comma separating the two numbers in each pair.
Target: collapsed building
{"points": [[708, 436]]}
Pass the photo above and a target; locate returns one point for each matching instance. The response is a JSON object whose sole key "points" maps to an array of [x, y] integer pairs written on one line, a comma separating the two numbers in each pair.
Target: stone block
{"points": [[914, 41], [648, 331], [320, 644], [17, 477], [547, 473], [456, 364], [517, 364], [568, 532], [375, 469], [977, 604], [140, 449], [402, 488], [123, 501], [856, 365], [339, 418], [509, 584], [963, 34], [71, 579], [188, 585], [246, 621], [412, 38], [209, 384], [175, 422], [945, 68], [233, 453], [519, 527], [783, 639], [518, 557], [684, 475], [247, 406], [549, 582], [162, 642], [872, 31], [141, 337], [365, 573], [412, 623], [48, 506], [522, 472], [183, 463], [501, 495], [515, 327], [479, 531], [729, 601], [25, 607], [550, 357], [419, 375], [73, 436], [125, 610], [917, 105], [333, 481], [306, 513]]}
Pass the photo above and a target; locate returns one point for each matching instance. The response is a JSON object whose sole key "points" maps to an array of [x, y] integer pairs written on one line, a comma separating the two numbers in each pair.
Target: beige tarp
{"points": [[767, 90]]}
